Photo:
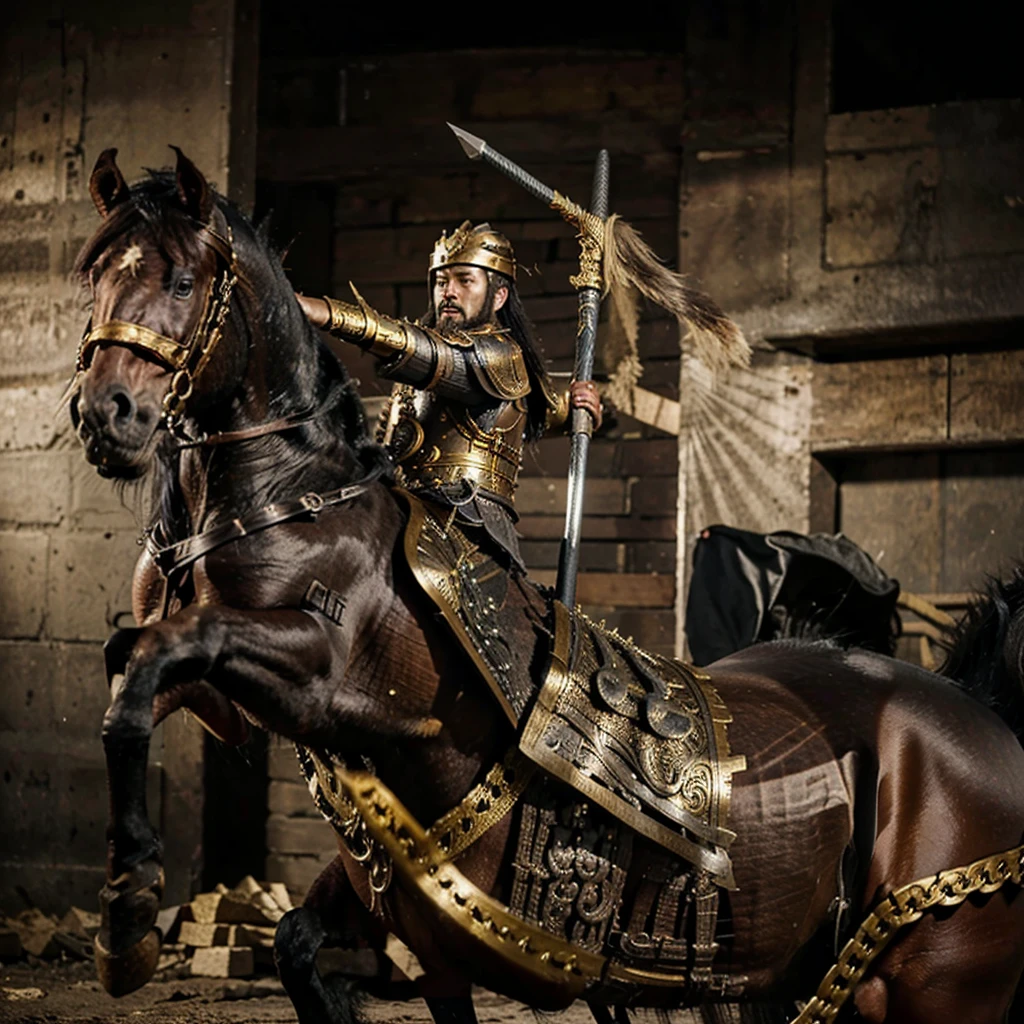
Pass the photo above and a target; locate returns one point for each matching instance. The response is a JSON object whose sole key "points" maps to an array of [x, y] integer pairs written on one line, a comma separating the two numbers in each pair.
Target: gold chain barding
{"points": [[900, 908]]}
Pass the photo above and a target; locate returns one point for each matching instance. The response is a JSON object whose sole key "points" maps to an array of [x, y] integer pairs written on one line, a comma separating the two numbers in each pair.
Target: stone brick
{"points": [[96, 504], [875, 403], [55, 688], [300, 835], [651, 556], [34, 487], [599, 556], [30, 256], [296, 872], [223, 962], [290, 799], [36, 331], [53, 886], [281, 761], [29, 417], [54, 809], [22, 583], [89, 583]]}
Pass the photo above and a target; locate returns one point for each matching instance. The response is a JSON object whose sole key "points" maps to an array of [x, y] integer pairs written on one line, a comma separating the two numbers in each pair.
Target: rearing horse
{"points": [[275, 588]]}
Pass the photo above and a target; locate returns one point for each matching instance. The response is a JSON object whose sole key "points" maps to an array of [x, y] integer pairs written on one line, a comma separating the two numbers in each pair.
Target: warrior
{"points": [[470, 387]]}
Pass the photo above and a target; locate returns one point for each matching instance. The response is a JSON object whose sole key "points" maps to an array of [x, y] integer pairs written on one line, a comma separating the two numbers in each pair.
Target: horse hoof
{"points": [[121, 973]]}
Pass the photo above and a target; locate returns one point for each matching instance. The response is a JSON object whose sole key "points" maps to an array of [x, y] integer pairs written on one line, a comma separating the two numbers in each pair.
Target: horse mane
{"points": [[986, 648], [153, 205]]}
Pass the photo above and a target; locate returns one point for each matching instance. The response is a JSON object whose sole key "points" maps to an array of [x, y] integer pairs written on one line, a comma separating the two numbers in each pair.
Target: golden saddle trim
{"points": [[667, 777]]}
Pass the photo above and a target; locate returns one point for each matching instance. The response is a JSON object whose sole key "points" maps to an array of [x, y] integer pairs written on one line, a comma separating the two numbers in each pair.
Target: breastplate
{"points": [[437, 442]]}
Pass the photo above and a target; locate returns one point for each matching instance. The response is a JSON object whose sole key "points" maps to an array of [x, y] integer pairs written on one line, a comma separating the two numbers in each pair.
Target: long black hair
{"points": [[512, 317]]}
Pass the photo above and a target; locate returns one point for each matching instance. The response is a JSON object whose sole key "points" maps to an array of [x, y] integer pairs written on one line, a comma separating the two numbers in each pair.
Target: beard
{"points": [[446, 325]]}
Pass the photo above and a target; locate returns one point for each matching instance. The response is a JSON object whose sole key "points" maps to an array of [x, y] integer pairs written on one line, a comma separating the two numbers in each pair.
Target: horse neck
{"points": [[286, 373]]}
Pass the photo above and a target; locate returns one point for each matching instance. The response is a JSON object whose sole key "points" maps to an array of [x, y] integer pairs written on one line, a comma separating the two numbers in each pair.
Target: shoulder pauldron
{"points": [[499, 367]]}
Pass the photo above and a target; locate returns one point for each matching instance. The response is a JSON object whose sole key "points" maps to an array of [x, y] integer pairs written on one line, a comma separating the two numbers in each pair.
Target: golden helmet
{"points": [[479, 246]]}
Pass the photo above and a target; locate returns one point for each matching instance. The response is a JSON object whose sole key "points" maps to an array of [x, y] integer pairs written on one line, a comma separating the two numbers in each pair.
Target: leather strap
{"points": [[178, 556]]}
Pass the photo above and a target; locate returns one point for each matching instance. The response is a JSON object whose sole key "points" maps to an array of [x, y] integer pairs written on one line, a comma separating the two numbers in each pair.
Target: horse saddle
{"points": [[641, 735]]}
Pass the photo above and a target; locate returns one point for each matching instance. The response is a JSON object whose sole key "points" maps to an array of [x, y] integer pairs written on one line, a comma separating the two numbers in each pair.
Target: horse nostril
{"points": [[124, 407]]}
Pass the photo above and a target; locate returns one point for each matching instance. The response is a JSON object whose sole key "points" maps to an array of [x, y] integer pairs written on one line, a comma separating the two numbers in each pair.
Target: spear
{"points": [[613, 257], [589, 285]]}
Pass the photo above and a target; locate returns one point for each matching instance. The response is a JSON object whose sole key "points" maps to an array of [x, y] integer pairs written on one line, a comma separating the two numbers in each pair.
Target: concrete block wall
{"points": [[72, 84]]}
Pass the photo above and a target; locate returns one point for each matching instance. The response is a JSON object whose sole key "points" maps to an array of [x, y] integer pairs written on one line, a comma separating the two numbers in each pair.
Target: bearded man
{"points": [[471, 388]]}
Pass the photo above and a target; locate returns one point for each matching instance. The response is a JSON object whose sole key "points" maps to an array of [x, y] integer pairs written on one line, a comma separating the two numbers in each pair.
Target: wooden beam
{"points": [[619, 589]]}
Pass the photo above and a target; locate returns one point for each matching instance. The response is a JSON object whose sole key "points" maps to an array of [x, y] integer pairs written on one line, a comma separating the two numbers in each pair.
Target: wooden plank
{"points": [[983, 517], [892, 507], [984, 396], [960, 126], [882, 208], [539, 527], [332, 153], [865, 130], [881, 403], [595, 556], [548, 495], [655, 410], [619, 589]]}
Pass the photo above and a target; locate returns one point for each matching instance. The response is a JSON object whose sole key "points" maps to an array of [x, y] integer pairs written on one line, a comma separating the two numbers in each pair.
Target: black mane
{"points": [[986, 647], [273, 315]]}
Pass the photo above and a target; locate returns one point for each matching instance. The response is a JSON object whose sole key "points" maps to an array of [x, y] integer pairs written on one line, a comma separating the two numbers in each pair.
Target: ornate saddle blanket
{"points": [[642, 736]]}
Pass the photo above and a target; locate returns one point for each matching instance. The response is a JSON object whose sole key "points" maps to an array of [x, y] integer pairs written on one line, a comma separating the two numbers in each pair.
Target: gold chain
{"points": [[484, 806], [900, 908]]}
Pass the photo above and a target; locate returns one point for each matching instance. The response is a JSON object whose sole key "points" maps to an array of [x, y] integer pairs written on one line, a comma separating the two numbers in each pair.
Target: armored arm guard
{"points": [[469, 367]]}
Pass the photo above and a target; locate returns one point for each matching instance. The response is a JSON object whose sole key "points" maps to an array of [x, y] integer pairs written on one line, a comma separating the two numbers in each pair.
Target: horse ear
{"points": [[107, 185], [193, 191]]}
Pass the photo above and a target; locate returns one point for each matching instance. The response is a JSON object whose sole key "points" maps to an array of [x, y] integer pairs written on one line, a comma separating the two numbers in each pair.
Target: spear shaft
{"points": [[588, 283], [582, 425]]}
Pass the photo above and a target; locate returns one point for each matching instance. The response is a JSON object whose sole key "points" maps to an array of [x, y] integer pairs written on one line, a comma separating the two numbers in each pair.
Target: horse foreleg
{"points": [[281, 660], [299, 936]]}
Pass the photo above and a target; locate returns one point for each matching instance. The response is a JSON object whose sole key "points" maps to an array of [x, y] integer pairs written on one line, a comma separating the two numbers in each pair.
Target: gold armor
{"points": [[458, 413], [450, 446]]}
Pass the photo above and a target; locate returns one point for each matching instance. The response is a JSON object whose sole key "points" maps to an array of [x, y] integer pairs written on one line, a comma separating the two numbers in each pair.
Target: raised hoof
{"points": [[121, 973], [127, 945]]}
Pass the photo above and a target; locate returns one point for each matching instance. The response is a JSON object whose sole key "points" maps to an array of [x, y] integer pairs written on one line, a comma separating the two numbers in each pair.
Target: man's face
{"points": [[463, 299]]}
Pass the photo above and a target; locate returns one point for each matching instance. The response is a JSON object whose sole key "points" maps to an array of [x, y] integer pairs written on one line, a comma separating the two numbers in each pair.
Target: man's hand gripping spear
{"points": [[614, 259]]}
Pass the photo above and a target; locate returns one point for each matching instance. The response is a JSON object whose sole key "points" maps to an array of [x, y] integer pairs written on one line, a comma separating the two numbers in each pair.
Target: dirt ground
{"points": [[68, 993]]}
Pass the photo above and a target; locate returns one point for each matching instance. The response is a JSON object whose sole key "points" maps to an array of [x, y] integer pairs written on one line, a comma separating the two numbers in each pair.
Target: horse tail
{"points": [[986, 654]]}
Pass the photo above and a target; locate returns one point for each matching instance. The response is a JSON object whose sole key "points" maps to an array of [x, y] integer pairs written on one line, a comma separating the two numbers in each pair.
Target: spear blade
{"points": [[477, 149]]}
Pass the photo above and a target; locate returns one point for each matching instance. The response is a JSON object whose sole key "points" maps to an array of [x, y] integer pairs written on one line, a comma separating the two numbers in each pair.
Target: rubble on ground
{"points": [[226, 933]]}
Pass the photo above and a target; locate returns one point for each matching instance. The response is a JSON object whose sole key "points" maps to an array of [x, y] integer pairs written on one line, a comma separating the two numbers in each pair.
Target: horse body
{"points": [[845, 751]]}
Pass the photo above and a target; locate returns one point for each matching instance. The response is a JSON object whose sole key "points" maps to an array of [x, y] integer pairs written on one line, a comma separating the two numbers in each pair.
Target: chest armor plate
{"points": [[437, 442]]}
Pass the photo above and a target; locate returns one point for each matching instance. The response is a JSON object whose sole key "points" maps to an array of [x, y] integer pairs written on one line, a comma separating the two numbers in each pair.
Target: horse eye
{"points": [[183, 289]]}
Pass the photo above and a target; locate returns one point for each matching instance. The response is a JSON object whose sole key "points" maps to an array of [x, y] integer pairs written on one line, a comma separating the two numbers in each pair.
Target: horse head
{"points": [[161, 269]]}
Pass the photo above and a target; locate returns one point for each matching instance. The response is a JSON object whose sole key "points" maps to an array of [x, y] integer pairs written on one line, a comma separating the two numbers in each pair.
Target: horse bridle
{"points": [[187, 359]]}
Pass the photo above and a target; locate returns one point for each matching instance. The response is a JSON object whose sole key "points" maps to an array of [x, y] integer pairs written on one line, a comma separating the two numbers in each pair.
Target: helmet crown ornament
{"points": [[479, 246]]}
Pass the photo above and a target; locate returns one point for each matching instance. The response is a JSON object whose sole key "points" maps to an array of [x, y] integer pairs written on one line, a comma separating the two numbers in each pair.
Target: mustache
{"points": [[452, 306]]}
